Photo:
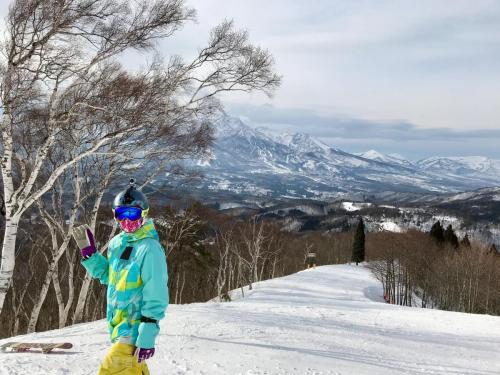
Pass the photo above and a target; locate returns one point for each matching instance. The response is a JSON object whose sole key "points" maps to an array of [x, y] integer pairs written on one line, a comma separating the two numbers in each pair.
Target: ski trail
{"points": [[328, 321]]}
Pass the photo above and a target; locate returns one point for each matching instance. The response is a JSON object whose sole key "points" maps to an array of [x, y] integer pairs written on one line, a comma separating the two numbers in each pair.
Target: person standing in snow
{"points": [[135, 271]]}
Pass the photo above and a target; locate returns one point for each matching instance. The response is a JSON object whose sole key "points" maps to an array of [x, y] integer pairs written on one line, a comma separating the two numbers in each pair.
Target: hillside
{"points": [[331, 320]]}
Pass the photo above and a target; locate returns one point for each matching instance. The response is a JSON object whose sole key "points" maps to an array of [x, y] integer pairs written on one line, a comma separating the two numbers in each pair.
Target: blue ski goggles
{"points": [[131, 213]]}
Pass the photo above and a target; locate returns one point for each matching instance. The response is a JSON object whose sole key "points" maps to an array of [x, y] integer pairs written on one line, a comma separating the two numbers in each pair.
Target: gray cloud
{"points": [[433, 65], [359, 135]]}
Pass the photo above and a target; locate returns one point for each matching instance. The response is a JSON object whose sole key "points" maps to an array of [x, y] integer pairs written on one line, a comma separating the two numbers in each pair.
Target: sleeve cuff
{"points": [[147, 335]]}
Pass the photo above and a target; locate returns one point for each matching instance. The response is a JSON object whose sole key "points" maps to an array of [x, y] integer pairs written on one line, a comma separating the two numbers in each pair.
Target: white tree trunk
{"points": [[82, 298], [176, 298], [63, 308], [59, 296], [182, 286], [35, 312], [8, 257], [11, 221], [63, 319]]}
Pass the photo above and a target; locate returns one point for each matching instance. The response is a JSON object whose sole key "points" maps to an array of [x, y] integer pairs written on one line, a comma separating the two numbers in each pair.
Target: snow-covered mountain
{"points": [[473, 197], [387, 158], [330, 320], [258, 162], [471, 167]]}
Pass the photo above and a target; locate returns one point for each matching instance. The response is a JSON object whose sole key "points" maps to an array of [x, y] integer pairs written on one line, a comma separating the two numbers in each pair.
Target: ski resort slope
{"points": [[330, 320]]}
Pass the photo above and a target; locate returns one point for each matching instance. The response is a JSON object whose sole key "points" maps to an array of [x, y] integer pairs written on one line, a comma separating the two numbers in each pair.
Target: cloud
{"points": [[360, 134], [433, 64], [329, 126]]}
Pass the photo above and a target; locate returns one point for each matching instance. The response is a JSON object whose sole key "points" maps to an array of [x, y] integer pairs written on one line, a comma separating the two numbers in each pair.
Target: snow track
{"points": [[331, 320]]}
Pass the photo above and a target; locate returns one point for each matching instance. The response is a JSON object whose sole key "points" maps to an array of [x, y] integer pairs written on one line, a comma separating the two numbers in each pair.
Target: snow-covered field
{"points": [[353, 206], [330, 320], [390, 227]]}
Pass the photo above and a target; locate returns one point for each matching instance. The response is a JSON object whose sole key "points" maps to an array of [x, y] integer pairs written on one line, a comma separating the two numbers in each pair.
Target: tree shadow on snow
{"points": [[374, 293]]}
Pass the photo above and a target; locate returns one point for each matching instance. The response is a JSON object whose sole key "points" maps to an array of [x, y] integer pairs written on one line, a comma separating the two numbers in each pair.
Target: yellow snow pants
{"points": [[120, 360]]}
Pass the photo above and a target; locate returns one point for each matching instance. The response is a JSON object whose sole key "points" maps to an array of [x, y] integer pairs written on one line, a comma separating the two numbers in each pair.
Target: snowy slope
{"points": [[468, 168], [462, 165], [386, 158], [331, 320]]}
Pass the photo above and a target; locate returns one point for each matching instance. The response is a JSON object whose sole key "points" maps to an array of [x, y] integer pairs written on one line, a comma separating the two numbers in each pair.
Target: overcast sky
{"points": [[419, 78]]}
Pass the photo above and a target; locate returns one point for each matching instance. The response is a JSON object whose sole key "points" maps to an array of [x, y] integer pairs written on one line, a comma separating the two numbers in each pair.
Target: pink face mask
{"points": [[130, 226]]}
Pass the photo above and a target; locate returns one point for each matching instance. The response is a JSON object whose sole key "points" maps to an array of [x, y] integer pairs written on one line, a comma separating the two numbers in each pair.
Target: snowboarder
{"points": [[135, 271]]}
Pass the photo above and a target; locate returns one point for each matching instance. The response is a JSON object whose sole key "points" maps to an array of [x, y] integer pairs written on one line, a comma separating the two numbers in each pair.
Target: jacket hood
{"points": [[146, 231]]}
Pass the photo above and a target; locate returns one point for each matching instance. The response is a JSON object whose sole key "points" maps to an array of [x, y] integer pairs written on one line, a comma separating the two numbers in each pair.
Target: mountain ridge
{"points": [[258, 161]]}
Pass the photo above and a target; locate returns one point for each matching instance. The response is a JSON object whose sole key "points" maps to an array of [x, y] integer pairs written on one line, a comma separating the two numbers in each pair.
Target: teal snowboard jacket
{"points": [[135, 271]]}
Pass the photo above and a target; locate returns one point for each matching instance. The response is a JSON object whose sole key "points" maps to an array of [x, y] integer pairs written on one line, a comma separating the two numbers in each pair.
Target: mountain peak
{"points": [[371, 154], [314, 144], [385, 158], [230, 126], [301, 142]]}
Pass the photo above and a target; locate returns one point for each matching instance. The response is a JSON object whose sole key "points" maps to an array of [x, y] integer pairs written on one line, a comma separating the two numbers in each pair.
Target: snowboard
{"points": [[28, 346]]}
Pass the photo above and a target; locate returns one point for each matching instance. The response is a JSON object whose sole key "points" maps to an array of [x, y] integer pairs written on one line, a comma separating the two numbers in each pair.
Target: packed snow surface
{"points": [[330, 320]]}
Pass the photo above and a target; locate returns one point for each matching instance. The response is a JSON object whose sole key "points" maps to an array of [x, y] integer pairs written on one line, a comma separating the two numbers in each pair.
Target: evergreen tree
{"points": [[358, 247], [465, 241], [437, 231], [450, 237]]}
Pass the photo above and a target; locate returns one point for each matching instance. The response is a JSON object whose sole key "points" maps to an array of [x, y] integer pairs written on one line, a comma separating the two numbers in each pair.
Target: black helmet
{"points": [[131, 197]]}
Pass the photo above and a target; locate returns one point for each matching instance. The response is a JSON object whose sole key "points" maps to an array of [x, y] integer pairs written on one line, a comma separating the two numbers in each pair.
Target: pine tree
{"points": [[450, 237], [437, 231], [358, 247], [465, 241]]}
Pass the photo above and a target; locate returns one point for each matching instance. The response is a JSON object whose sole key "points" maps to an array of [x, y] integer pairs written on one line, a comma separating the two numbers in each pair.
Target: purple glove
{"points": [[85, 241], [143, 354]]}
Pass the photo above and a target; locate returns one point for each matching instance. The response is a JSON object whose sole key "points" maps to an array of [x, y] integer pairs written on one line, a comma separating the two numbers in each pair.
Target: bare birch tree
{"points": [[56, 64], [22, 289], [224, 242], [60, 230], [60, 80], [179, 227]]}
